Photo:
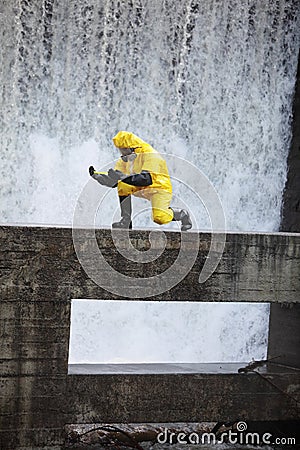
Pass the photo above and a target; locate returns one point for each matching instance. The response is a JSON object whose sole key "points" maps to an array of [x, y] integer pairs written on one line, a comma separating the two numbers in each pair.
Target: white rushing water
{"points": [[208, 81], [166, 332]]}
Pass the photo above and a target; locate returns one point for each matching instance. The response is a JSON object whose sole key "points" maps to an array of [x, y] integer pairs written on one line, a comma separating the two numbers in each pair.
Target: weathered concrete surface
{"points": [[183, 397], [284, 334], [287, 317], [40, 274], [40, 264], [183, 393], [291, 195]]}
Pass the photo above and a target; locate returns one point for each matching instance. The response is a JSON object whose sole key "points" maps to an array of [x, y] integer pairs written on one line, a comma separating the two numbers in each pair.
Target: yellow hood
{"points": [[125, 139], [148, 159]]}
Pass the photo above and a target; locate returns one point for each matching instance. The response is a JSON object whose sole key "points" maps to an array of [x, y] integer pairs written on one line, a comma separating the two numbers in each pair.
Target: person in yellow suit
{"points": [[141, 171]]}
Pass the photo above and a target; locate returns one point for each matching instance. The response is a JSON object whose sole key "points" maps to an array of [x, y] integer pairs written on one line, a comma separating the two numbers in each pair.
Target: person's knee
{"points": [[125, 189], [161, 216]]}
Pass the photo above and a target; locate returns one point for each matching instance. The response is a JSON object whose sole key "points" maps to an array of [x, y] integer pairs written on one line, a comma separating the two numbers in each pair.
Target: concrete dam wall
{"points": [[40, 274]]}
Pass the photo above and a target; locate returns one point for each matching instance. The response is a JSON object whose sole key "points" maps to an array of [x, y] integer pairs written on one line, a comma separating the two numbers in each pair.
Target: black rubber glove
{"points": [[91, 170], [115, 175]]}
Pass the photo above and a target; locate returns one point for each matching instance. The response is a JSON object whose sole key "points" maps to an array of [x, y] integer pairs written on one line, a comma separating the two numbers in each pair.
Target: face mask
{"points": [[130, 157]]}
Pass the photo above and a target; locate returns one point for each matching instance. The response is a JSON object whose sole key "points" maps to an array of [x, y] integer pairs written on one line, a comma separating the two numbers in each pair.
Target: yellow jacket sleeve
{"points": [[120, 165]]}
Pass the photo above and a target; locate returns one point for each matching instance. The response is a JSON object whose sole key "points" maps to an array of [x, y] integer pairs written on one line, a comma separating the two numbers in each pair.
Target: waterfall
{"points": [[211, 81]]}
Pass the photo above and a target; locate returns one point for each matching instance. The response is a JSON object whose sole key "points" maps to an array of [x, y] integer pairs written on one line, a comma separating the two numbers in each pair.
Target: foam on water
{"points": [[164, 332], [212, 82]]}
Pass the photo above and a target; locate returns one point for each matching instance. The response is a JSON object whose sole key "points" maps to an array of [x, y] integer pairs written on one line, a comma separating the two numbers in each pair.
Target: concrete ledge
{"points": [[184, 397], [153, 368], [40, 264]]}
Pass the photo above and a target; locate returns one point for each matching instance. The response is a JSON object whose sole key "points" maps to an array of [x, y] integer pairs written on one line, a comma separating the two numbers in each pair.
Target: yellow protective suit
{"points": [[160, 191]]}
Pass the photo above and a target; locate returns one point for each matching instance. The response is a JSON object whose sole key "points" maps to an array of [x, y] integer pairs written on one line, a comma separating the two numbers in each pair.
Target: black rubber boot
{"points": [[184, 217], [125, 205]]}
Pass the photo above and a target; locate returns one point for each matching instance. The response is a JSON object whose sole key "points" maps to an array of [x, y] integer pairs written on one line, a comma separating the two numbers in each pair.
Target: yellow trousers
{"points": [[160, 200]]}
